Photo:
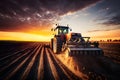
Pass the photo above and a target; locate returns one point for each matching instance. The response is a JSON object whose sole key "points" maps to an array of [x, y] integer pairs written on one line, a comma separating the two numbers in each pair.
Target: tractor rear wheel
{"points": [[56, 45], [51, 44]]}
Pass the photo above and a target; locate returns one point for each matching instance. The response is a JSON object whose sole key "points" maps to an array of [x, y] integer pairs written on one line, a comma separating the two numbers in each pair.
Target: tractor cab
{"points": [[62, 30]]}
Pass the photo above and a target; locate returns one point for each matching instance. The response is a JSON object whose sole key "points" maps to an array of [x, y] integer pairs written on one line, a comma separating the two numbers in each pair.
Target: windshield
{"points": [[62, 31]]}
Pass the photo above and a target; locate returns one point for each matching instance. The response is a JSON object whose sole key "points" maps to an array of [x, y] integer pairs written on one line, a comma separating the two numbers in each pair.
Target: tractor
{"points": [[74, 42]]}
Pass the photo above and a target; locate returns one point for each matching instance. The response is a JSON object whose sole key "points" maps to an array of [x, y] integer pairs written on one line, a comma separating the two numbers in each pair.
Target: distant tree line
{"points": [[110, 40]]}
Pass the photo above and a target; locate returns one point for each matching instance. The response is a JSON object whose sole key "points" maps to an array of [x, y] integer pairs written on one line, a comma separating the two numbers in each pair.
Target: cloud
{"points": [[109, 29], [14, 13], [113, 21], [108, 12]]}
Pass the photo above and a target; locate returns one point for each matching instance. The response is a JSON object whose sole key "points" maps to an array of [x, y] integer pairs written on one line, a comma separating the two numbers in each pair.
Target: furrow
{"points": [[13, 54], [47, 70], [26, 72], [52, 66], [19, 65], [3, 68], [41, 66]]}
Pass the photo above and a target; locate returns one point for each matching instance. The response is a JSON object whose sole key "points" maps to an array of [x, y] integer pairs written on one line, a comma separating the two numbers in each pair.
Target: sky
{"points": [[32, 20]]}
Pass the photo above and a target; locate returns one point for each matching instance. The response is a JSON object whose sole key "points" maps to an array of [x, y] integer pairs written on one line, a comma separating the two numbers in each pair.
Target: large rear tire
{"points": [[51, 44], [56, 45]]}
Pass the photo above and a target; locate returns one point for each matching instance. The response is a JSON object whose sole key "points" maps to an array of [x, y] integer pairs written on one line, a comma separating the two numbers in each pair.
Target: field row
{"points": [[32, 62]]}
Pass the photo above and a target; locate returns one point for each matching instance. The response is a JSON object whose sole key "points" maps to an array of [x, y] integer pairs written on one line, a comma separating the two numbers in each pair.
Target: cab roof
{"points": [[62, 27]]}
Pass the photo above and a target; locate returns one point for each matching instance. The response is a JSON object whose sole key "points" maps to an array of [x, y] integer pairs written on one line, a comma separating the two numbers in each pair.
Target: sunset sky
{"points": [[32, 20]]}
